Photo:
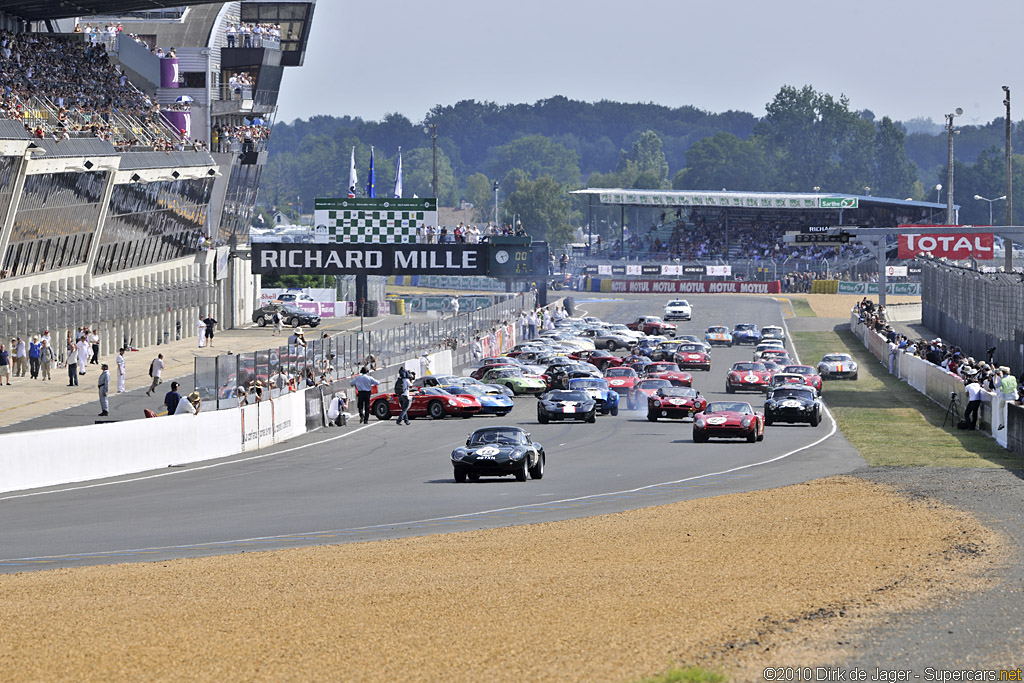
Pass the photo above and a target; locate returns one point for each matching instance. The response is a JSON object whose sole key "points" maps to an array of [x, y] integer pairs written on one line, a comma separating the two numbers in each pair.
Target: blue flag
{"points": [[398, 176], [371, 184]]}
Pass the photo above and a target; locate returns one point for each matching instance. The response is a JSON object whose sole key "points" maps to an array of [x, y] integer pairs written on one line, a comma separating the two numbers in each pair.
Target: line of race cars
{"points": [[574, 379]]}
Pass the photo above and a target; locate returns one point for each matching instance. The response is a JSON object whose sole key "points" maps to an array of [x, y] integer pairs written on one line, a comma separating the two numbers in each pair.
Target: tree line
{"points": [[537, 153]]}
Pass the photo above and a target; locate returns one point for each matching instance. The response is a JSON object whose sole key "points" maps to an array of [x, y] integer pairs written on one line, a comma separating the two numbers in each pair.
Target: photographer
{"points": [[973, 400]]}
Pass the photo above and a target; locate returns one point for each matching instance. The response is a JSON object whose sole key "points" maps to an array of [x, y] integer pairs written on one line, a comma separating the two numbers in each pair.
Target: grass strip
{"points": [[890, 422], [689, 674], [802, 309]]}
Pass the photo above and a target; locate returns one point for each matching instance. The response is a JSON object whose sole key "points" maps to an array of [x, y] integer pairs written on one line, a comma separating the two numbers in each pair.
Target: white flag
{"points": [[352, 179], [398, 176]]}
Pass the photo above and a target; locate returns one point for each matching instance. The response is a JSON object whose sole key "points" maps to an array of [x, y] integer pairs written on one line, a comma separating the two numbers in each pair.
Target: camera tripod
{"points": [[953, 410]]}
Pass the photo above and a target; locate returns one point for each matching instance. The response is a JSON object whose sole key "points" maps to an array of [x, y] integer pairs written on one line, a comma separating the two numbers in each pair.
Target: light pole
{"points": [[938, 193], [1008, 257], [949, 176], [867, 190], [495, 202], [431, 130], [990, 201]]}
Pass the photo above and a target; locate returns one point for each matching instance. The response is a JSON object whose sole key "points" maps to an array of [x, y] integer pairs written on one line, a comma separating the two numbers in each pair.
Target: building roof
{"points": [[749, 200], [39, 10]]}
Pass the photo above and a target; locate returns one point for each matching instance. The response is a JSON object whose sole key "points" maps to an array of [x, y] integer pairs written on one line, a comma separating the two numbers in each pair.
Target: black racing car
{"points": [[563, 404], [792, 403], [498, 452], [290, 315]]}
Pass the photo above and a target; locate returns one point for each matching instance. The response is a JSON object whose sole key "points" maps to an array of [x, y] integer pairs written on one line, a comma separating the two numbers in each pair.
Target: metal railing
{"points": [[224, 381]]}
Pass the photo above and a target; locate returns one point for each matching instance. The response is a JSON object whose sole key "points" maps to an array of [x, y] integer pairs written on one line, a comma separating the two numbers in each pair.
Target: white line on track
{"points": [[467, 515]]}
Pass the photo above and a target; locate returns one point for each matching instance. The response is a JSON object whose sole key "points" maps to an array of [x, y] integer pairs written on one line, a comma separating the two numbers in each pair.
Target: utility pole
{"points": [[431, 130], [1008, 243], [949, 175]]}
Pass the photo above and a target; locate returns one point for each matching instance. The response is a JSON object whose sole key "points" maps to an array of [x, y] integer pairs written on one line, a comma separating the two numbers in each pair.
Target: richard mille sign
{"points": [[271, 258]]}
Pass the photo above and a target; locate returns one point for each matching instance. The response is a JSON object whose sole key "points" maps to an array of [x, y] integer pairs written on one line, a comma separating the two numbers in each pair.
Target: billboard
{"points": [[286, 258], [374, 220], [956, 246], [693, 287]]}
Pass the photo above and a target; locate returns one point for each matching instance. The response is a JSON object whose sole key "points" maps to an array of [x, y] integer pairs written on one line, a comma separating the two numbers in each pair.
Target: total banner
{"points": [[279, 258], [954, 245], [693, 287], [895, 288]]}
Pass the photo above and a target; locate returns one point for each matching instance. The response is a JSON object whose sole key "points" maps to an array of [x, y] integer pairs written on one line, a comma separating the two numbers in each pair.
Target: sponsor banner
{"points": [[592, 270], [692, 287], [276, 258], [221, 264], [634, 270], [895, 271], [650, 270], [956, 246], [683, 270], [897, 288], [604, 270], [618, 270], [751, 200], [719, 271]]}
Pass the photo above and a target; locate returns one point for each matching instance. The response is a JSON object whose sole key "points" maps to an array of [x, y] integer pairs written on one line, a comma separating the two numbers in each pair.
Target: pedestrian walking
{"points": [[156, 369], [35, 351], [172, 398], [104, 389], [120, 371], [82, 349], [210, 324], [201, 330], [404, 400], [278, 319], [72, 352], [94, 341], [46, 359], [5, 365], [364, 384], [20, 356]]}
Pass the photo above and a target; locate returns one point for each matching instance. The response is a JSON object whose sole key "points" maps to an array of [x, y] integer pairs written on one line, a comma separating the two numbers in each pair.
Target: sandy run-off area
{"points": [[724, 581]]}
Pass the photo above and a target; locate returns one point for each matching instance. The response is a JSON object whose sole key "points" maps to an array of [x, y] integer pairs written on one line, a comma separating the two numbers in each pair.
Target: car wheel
{"points": [[615, 411], [522, 471], [611, 346], [854, 376], [651, 417], [296, 322], [768, 421], [760, 437], [592, 418], [460, 476], [729, 389], [537, 471], [435, 410], [542, 418], [752, 436], [699, 437], [262, 322], [815, 420], [473, 476], [381, 410]]}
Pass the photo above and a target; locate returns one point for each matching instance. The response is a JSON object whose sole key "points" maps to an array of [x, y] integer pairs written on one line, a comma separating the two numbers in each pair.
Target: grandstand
{"points": [[132, 138]]}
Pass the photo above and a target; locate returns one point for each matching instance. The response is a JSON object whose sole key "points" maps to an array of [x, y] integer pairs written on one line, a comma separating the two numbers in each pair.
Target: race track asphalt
{"points": [[378, 481]]}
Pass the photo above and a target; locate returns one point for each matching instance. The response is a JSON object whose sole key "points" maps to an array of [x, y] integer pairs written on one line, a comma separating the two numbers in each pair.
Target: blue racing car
{"points": [[598, 389], [746, 333], [490, 403]]}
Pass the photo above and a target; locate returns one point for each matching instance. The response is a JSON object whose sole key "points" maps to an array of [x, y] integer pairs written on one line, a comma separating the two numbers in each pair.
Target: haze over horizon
{"points": [[885, 57]]}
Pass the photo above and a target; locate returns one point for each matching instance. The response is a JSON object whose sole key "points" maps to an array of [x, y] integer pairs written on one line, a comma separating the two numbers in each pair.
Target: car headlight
{"points": [[458, 454], [745, 422], [517, 454], [770, 403], [699, 421], [657, 403], [452, 402]]}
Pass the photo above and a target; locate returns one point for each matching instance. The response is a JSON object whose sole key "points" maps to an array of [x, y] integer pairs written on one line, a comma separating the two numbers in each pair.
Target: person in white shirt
{"points": [[974, 396], [201, 331], [155, 370], [120, 371]]}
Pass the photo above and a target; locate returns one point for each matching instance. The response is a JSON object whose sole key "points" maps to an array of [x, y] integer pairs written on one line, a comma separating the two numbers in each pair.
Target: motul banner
{"points": [[955, 246], [694, 287]]}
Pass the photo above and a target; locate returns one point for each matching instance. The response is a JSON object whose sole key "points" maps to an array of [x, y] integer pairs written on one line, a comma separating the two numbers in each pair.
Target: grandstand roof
{"points": [[39, 10], [749, 200]]}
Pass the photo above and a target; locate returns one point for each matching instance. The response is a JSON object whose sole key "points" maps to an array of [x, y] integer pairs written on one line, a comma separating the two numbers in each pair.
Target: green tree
{"points": [[544, 209], [724, 161], [537, 156], [480, 193], [649, 162], [418, 175], [894, 175]]}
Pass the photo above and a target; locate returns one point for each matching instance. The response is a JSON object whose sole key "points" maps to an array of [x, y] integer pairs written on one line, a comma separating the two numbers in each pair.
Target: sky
{"points": [[899, 58]]}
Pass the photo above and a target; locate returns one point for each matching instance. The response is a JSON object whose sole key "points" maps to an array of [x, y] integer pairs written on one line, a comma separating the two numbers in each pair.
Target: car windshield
{"points": [[433, 391], [799, 369], [294, 310], [744, 326], [691, 348], [587, 384], [653, 384], [505, 372], [668, 344], [753, 367], [690, 337], [662, 367], [771, 330], [678, 302], [563, 395], [620, 372], [678, 392], [717, 330], [482, 437], [729, 407], [791, 393], [836, 358]]}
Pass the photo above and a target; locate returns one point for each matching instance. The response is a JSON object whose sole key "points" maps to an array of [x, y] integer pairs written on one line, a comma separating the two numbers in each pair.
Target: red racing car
{"points": [[621, 380], [748, 377], [810, 373], [674, 403], [692, 357], [728, 420], [643, 390], [599, 357], [430, 402], [669, 371]]}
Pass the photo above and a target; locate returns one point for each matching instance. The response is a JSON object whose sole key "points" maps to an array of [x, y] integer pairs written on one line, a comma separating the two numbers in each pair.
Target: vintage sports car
{"points": [[513, 378], [432, 402], [600, 391], [477, 369], [291, 315], [694, 339], [665, 351], [780, 356], [604, 338], [643, 390], [718, 335], [644, 347], [792, 403], [692, 357], [678, 309], [810, 375], [652, 324], [746, 333], [599, 358], [728, 419], [621, 380], [837, 365], [669, 371], [747, 377], [674, 403], [490, 404], [781, 379], [498, 452], [767, 346], [773, 332], [563, 404]]}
